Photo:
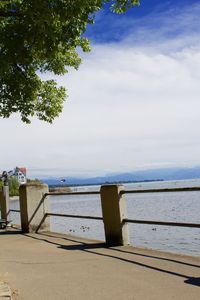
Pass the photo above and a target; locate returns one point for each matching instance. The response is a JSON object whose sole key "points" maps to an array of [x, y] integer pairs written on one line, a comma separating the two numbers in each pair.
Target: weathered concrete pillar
{"points": [[32, 207], [114, 211], [4, 201]]}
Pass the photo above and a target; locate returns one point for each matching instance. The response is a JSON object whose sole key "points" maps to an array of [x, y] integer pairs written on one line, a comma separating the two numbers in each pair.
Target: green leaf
{"points": [[40, 36]]}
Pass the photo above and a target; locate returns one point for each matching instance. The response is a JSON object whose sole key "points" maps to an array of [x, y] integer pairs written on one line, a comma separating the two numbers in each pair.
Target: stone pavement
{"points": [[58, 267]]}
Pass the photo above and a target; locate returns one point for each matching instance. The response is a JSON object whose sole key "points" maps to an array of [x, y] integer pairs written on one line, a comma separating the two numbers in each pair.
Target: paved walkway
{"points": [[57, 267]]}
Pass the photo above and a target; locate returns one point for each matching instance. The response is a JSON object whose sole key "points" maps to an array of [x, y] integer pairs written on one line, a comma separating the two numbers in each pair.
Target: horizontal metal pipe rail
{"points": [[170, 190], [193, 225], [72, 193], [48, 214], [14, 210], [74, 216]]}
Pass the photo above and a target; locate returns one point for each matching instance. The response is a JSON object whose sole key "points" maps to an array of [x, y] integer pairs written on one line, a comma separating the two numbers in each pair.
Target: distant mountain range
{"points": [[145, 175]]}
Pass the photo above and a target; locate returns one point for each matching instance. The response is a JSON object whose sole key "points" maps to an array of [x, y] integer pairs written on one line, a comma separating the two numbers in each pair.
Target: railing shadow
{"points": [[159, 258], [90, 248], [128, 252]]}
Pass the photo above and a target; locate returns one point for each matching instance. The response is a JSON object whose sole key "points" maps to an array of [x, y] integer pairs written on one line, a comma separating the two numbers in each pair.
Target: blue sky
{"points": [[150, 14], [133, 104]]}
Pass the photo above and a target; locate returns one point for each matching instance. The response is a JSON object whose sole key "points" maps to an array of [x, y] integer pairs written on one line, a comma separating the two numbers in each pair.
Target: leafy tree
{"points": [[1, 184], [39, 36], [13, 186]]}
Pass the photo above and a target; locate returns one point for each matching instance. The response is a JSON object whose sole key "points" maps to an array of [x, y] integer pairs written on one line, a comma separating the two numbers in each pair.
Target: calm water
{"points": [[179, 207]]}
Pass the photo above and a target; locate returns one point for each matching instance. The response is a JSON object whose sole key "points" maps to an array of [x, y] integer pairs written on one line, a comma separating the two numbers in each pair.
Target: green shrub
{"points": [[35, 181], [13, 186]]}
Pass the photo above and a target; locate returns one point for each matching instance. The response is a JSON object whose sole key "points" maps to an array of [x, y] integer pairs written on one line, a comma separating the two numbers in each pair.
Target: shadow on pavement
{"points": [[125, 251], [111, 252], [193, 281]]}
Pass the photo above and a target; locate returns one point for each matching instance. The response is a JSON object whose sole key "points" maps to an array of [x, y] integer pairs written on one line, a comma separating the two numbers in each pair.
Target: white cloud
{"points": [[129, 107]]}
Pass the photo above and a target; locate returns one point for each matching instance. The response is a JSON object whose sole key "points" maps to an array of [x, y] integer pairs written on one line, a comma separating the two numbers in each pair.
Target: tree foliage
{"points": [[40, 36], [34, 181], [13, 186], [1, 184]]}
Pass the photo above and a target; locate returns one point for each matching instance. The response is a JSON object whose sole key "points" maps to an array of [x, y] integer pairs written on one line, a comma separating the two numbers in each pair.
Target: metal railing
{"points": [[163, 190], [72, 193], [48, 214], [125, 220], [13, 210]]}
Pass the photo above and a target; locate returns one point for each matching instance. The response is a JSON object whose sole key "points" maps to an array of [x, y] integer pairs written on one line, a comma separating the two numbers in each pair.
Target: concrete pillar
{"points": [[114, 211], [4, 201], [32, 207]]}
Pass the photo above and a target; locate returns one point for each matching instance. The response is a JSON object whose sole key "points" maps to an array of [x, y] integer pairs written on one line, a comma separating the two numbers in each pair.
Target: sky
{"points": [[133, 104]]}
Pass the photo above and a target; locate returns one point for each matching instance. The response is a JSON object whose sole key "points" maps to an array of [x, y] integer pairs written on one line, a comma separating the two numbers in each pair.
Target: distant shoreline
{"points": [[66, 187], [102, 183]]}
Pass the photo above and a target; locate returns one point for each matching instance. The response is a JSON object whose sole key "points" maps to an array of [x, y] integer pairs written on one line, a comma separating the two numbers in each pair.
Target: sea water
{"points": [[175, 207]]}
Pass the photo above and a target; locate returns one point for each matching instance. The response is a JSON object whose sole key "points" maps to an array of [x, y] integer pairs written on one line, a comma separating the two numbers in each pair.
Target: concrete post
{"points": [[114, 211], [30, 196], [4, 201]]}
